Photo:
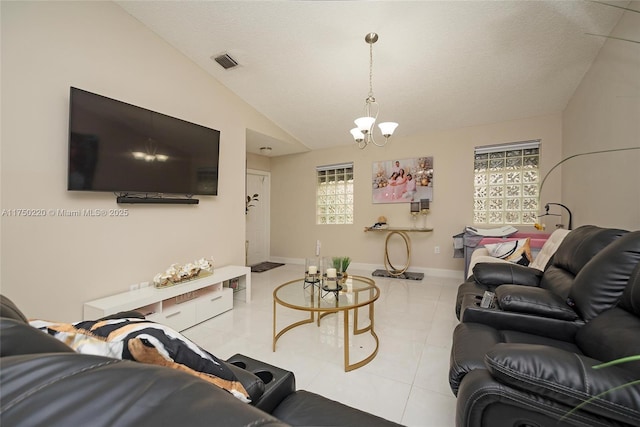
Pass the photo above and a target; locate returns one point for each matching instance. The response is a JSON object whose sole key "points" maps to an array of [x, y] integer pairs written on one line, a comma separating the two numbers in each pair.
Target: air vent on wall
{"points": [[225, 61]]}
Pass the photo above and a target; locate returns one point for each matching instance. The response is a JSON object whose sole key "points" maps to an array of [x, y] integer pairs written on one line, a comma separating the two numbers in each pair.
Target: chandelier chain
{"points": [[371, 70]]}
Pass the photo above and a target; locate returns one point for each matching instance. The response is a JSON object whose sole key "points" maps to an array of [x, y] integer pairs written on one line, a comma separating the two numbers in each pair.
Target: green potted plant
{"points": [[341, 263], [250, 199]]}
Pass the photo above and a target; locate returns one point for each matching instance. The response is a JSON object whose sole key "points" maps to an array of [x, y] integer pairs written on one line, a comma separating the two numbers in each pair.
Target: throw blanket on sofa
{"points": [[147, 342]]}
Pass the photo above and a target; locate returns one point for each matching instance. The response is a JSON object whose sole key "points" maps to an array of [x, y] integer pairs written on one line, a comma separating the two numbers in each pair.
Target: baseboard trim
{"points": [[430, 272]]}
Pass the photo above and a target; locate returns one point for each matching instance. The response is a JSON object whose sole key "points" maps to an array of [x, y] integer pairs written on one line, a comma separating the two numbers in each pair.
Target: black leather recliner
{"points": [[45, 383], [577, 248], [506, 377], [597, 287]]}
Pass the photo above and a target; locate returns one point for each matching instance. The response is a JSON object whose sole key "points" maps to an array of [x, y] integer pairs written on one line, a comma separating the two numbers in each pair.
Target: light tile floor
{"points": [[406, 382]]}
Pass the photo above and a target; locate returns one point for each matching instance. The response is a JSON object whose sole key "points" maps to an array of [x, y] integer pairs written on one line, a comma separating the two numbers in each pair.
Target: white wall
{"points": [[258, 162], [51, 265], [604, 113], [293, 228]]}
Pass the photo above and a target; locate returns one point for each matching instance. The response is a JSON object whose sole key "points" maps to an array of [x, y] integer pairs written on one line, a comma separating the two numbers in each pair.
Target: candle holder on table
{"points": [[331, 283], [312, 272], [415, 210], [424, 210]]}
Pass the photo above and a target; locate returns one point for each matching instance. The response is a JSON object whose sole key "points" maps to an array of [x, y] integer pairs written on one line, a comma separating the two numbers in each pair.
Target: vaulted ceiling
{"points": [[437, 64]]}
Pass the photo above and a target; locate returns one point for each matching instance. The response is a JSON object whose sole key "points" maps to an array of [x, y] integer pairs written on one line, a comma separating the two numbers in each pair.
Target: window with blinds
{"points": [[506, 180], [334, 194]]}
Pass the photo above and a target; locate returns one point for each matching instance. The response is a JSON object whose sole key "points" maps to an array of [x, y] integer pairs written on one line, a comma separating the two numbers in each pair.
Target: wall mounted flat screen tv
{"points": [[121, 148]]}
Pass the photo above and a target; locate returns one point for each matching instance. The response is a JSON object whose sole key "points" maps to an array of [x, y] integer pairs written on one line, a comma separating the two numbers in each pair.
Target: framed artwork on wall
{"points": [[402, 181]]}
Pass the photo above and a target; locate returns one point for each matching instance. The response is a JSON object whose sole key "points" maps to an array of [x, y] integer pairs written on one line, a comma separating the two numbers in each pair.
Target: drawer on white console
{"points": [[155, 317], [178, 316], [213, 303]]}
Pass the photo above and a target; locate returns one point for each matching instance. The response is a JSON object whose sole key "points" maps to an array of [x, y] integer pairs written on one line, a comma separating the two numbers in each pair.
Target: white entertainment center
{"points": [[182, 305]]}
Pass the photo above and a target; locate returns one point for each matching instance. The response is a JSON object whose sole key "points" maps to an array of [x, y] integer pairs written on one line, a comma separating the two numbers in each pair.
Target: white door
{"points": [[258, 182]]}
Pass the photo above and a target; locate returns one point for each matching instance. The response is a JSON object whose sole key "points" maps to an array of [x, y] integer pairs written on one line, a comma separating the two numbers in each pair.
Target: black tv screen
{"points": [[118, 147]]}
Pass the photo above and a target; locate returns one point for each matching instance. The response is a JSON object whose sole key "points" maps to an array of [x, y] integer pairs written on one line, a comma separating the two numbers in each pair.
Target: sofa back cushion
{"points": [[614, 333], [610, 336], [549, 248], [17, 337], [601, 282], [62, 390], [630, 300], [10, 310], [576, 250]]}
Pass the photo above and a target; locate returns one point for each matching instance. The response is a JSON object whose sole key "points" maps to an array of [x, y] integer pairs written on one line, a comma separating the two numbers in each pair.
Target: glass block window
{"points": [[506, 179], [334, 194]]}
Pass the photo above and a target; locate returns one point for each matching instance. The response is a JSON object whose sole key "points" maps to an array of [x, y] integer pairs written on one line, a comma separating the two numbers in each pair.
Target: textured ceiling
{"points": [[437, 64]]}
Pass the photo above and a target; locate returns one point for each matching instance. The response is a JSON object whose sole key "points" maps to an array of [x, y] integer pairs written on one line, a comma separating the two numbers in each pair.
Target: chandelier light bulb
{"points": [[357, 135], [387, 128], [365, 124]]}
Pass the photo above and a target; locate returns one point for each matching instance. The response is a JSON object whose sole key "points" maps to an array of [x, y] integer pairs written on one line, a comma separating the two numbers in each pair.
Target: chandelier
{"points": [[363, 133]]}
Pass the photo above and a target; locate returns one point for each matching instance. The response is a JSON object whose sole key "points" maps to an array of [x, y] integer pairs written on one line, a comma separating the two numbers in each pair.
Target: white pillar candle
{"points": [[313, 269], [331, 272]]}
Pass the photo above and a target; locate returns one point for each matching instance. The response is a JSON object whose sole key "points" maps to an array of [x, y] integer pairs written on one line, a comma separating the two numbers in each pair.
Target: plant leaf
{"points": [[617, 361], [586, 402]]}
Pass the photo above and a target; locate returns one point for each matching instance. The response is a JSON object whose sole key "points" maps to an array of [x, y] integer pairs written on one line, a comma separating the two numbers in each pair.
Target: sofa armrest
{"points": [[496, 274], [563, 330], [536, 301], [567, 378], [278, 382], [250, 381], [17, 337], [482, 255]]}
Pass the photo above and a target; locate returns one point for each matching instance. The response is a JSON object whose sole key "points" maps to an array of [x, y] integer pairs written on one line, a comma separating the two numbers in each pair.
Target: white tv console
{"points": [[180, 306]]}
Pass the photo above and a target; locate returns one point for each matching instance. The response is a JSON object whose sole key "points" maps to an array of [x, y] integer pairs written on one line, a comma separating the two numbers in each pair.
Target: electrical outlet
{"points": [[134, 286], [436, 249]]}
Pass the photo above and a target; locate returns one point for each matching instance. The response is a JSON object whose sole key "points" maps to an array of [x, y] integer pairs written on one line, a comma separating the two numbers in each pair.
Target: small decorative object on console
{"points": [[177, 273], [381, 224]]}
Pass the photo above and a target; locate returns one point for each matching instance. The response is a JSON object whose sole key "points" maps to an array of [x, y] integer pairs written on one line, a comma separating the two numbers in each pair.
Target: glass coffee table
{"points": [[356, 292]]}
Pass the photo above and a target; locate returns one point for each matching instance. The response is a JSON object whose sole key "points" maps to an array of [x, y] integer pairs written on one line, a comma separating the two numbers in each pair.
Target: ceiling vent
{"points": [[225, 61]]}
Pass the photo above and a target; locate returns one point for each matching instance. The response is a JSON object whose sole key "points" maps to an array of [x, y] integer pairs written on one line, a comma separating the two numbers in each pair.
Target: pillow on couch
{"points": [[515, 251], [147, 342]]}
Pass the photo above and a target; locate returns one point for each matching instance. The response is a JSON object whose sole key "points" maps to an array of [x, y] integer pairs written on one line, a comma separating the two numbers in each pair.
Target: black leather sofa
{"points": [[560, 312], [577, 248], [45, 383], [507, 373]]}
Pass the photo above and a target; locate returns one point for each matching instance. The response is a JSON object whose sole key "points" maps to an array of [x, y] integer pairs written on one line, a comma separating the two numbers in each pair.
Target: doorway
{"points": [[257, 217]]}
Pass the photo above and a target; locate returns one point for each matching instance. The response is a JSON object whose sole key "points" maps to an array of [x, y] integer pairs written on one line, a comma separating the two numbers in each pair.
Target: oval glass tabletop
{"points": [[355, 291]]}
